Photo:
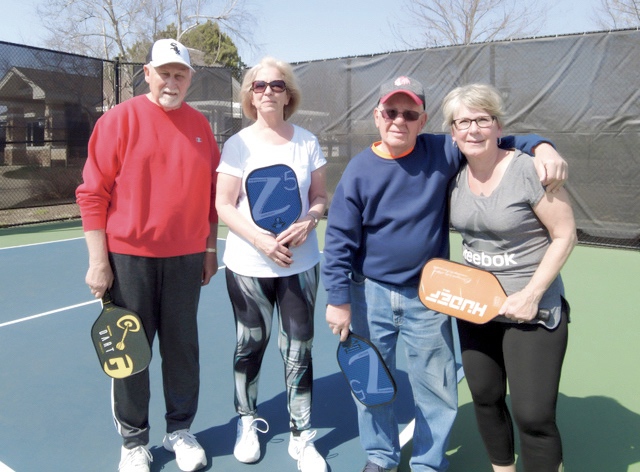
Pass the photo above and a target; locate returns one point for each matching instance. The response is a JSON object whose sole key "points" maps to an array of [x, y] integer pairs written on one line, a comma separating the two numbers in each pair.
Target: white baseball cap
{"points": [[168, 51]]}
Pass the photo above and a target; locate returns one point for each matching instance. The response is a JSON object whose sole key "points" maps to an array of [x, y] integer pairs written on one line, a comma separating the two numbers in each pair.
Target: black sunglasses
{"points": [[391, 114], [277, 86]]}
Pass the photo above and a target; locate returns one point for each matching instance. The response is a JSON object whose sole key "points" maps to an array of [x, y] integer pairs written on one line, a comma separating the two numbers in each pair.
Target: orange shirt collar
{"points": [[375, 147]]}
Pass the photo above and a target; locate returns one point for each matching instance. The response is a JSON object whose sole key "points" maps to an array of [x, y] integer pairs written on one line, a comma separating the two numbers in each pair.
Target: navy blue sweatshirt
{"points": [[389, 216]]}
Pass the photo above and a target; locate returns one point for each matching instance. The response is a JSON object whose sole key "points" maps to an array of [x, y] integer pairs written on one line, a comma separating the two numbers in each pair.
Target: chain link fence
{"points": [[581, 91], [49, 103]]}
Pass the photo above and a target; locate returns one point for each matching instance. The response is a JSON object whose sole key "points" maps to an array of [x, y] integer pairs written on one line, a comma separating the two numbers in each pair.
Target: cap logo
{"points": [[402, 81], [175, 47]]}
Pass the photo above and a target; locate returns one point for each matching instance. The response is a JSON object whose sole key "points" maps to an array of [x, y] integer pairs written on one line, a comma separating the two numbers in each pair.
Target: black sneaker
{"points": [[372, 467]]}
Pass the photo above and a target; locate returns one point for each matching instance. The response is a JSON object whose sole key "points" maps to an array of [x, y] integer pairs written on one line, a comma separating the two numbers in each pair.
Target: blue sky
{"points": [[301, 30]]}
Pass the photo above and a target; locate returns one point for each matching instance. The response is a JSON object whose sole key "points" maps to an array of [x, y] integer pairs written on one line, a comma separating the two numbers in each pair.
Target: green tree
{"points": [[217, 46]]}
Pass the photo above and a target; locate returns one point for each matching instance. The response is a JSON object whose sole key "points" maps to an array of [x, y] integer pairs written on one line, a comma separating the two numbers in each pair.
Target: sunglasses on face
{"points": [[391, 114], [260, 86]]}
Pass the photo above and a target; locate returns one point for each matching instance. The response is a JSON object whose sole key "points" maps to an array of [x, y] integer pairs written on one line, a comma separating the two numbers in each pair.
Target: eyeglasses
{"points": [[260, 86], [482, 122], [391, 114]]}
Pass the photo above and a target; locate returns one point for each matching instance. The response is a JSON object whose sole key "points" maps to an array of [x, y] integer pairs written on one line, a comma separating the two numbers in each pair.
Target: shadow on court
{"points": [[334, 417], [598, 434]]}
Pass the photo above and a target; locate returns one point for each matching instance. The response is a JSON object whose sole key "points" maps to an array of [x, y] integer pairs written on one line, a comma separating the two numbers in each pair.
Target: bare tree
{"points": [[234, 17], [616, 14], [109, 28], [124, 29], [429, 23], [100, 28]]}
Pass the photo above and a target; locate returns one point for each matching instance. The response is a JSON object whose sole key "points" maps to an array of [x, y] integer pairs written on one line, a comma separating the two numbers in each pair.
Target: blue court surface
{"points": [[55, 412]]}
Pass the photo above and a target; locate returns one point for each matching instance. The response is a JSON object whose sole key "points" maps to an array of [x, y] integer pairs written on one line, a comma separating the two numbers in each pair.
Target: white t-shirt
{"points": [[241, 154]]}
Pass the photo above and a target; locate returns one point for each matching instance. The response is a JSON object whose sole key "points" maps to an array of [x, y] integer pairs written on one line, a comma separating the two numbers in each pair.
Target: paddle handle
{"points": [[106, 298], [543, 314]]}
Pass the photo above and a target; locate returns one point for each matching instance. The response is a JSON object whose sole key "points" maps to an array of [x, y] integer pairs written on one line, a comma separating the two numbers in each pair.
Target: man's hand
{"points": [[99, 278], [210, 267], [339, 319], [552, 169]]}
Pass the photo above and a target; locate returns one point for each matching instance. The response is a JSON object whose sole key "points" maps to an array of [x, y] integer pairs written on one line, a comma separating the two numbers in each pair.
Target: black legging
{"points": [[530, 357]]}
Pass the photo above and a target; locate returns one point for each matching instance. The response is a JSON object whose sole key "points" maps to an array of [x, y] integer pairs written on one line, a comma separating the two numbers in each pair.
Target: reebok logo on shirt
{"points": [[484, 260]]}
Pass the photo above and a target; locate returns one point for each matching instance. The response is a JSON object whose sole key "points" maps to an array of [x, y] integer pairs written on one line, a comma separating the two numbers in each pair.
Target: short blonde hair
{"points": [[477, 96], [292, 89]]}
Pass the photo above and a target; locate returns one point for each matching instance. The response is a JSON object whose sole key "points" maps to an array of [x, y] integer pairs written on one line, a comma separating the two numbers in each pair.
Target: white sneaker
{"points": [[135, 460], [302, 449], [247, 448], [189, 454]]}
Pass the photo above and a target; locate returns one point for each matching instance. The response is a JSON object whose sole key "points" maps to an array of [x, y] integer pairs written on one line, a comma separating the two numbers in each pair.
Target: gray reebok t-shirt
{"points": [[501, 232]]}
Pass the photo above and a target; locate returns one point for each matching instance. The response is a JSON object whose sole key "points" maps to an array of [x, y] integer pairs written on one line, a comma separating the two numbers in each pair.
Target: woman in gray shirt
{"points": [[510, 226]]}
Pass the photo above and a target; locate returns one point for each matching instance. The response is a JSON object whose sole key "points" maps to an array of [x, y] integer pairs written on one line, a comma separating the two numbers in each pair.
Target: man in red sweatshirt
{"points": [[148, 213]]}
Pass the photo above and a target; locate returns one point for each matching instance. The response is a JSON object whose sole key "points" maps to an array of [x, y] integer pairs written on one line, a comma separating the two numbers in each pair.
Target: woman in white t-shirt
{"points": [[272, 269], [511, 227]]}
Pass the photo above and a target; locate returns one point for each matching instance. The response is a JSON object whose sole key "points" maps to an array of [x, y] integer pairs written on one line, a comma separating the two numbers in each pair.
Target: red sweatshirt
{"points": [[149, 179]]}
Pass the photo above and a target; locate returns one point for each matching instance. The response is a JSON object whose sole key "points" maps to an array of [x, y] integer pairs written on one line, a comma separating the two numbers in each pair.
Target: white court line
{"points": [[51, 312], [39, 244], [406, 434], [46, 313], [4, 468], [71, 307], [56, 241]]}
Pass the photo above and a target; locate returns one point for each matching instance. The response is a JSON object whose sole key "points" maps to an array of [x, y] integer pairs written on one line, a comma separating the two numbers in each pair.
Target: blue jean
{"points": [[381, 313]]}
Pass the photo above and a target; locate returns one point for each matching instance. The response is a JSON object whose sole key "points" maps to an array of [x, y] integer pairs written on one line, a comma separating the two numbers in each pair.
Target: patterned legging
{"points": [[253, 300]]}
